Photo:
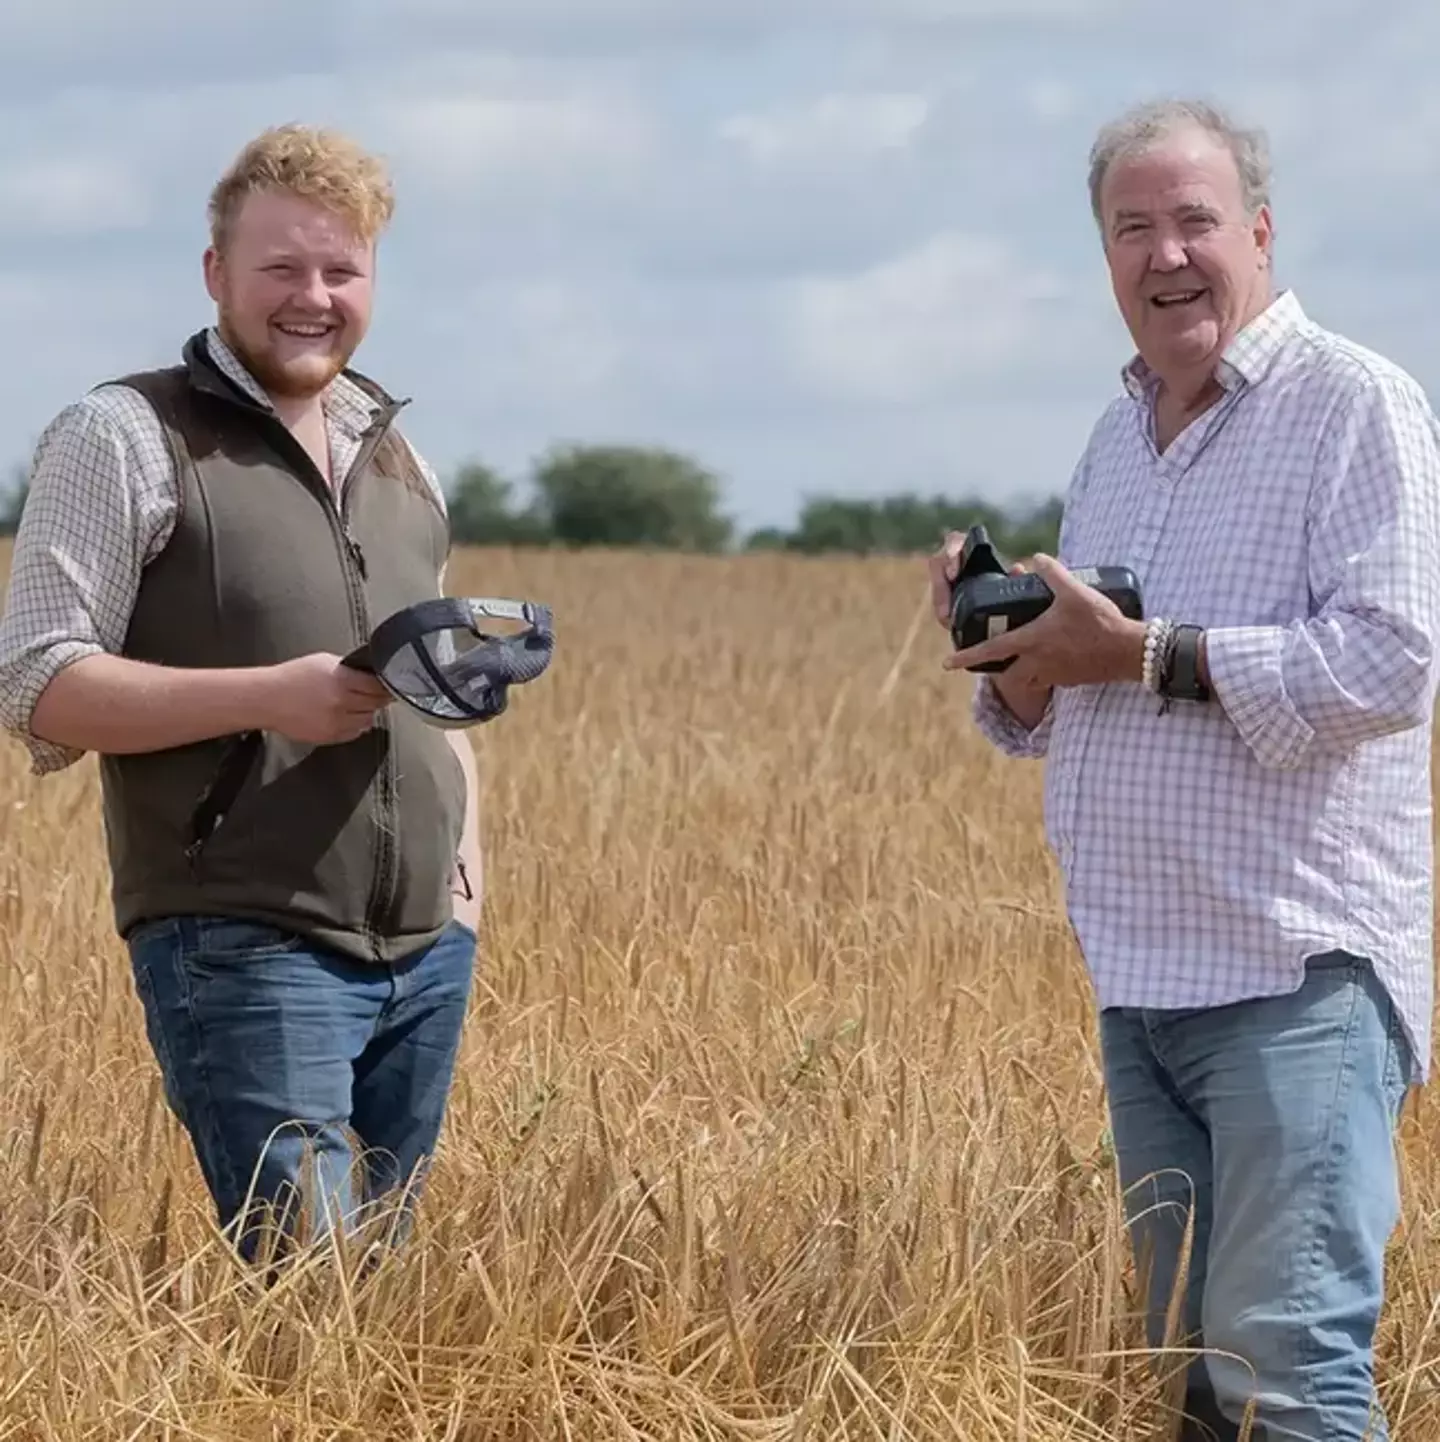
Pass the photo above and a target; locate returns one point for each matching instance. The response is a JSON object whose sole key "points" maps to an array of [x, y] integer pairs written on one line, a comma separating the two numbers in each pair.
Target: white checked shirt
{"points": [[102, 504], [1206, 852]]}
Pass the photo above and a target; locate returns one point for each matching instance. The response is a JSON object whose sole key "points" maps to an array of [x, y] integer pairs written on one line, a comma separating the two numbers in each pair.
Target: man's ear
{"points": [[1263, 229], [213, 267]]}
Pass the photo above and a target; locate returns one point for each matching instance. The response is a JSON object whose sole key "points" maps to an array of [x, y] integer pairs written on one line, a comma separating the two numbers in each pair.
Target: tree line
{"points": [[651, 497], [654, 498]]}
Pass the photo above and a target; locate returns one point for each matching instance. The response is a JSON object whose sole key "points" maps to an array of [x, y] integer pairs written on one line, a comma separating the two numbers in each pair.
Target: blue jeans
{"points": [[309, 1084], [1275, 1118]]}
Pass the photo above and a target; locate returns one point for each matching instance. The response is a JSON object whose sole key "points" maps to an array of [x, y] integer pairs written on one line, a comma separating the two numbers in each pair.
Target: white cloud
{"points": [[460, 137], [780, 11], [972, 11], [113, 43], [564, 341], [1051, 100], [41, 304], [68, 195], [835, 126], [912, 327], [702, 18], [542, 344], [755, 228], [69, 330]]}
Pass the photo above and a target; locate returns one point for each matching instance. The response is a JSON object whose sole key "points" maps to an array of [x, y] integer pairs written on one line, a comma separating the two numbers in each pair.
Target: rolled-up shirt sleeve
{"points": [[101, 502], [1364, 665], [999, 725]]}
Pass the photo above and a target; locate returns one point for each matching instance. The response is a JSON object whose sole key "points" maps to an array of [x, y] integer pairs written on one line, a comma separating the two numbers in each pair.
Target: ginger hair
{"points": [[318, 164]]}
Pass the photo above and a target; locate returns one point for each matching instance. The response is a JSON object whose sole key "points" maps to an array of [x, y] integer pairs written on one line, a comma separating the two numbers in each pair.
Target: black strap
{"points": [[234, 770], [219, 796], [1180, 680]]}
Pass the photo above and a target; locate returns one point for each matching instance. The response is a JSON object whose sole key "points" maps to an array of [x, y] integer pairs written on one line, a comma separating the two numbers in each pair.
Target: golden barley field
{"points": [[778, 1116]]}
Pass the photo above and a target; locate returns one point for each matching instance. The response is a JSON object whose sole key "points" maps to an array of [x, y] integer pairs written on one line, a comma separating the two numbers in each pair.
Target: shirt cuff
{"points": [[1244, 663], [23, 687], [1003, 729]]}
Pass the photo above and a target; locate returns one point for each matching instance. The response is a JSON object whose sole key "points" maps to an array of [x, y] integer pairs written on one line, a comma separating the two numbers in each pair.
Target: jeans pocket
{"points": [[230, 939], [144, 933]]}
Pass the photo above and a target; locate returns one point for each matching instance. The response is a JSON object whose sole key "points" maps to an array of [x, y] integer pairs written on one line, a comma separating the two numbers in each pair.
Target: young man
{"points": [[1238, 789], [200, 546]]}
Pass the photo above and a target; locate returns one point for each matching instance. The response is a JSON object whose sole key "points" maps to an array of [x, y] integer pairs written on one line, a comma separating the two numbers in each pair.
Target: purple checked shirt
{"points": [[1207, 851]]}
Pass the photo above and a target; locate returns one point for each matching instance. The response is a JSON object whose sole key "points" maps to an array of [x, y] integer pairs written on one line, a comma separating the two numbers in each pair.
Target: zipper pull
{"points": [[357, 555]]}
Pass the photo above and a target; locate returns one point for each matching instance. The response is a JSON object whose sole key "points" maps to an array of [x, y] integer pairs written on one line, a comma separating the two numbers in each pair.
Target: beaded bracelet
{"points": [[1159, 634]]}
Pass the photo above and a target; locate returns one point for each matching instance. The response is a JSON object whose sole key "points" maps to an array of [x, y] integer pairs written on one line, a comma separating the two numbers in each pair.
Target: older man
{"points": [[1238, 788], [200, 546]]}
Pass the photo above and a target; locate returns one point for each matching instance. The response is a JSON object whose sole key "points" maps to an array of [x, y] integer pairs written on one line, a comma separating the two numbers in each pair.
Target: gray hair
{"points": [[1144, 124]]}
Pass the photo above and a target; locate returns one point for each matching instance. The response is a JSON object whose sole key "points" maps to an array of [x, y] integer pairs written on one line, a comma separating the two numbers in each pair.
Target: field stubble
{"points": [[778, 1114]]}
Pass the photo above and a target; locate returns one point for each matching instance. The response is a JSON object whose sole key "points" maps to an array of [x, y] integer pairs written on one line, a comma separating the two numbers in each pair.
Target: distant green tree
{"points": [[481, 513], [906, 523], [630, 496], [12, 500], [1037, 529], [833, 523]]}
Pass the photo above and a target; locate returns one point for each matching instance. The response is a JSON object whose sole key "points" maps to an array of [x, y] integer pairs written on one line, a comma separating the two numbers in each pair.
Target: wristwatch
{"points": [[1180, 667]]}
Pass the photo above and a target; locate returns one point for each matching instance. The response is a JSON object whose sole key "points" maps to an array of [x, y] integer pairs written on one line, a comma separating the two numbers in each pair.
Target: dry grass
{"points": [[778, 1115]]}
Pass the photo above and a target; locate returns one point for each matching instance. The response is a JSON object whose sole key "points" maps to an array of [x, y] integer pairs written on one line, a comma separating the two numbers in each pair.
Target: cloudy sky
{"points": [[822, 245]]}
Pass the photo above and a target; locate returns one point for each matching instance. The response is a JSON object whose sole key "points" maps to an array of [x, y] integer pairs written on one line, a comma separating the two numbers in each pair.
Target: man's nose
{"points": [[1168, 252], [314, 291]]}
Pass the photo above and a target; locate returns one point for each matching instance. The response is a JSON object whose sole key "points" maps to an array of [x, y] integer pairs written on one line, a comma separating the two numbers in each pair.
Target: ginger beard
{"points": [[289, 355]]}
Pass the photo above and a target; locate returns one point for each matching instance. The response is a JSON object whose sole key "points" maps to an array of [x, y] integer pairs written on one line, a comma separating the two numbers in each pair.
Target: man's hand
{"points": [[1083, 639], [1026, 700], [119, 707], [320, 700], [944, 567]]}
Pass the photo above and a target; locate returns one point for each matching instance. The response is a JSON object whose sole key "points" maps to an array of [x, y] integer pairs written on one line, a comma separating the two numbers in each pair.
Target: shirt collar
{"points": [[346, 405], [1248, 356]]}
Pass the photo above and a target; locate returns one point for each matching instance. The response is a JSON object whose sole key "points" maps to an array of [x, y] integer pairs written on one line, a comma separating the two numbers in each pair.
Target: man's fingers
{"points": [[944, 567], [1052, 573], [362, 687], [939, 590], [361, 707], [1024, 640], [996, 649], [361, 710]]}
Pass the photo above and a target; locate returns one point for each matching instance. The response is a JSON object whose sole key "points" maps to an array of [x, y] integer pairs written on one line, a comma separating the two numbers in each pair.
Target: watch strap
{"points": [[1180, 679]]}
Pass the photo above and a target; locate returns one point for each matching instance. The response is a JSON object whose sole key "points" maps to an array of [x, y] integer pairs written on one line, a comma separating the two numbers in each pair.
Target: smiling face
{"points": [[293, 288], [1189, 266]]}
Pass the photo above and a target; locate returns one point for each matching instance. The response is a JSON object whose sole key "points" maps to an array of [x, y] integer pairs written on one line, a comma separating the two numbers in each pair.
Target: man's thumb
{"points": [[1047, 567]]}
